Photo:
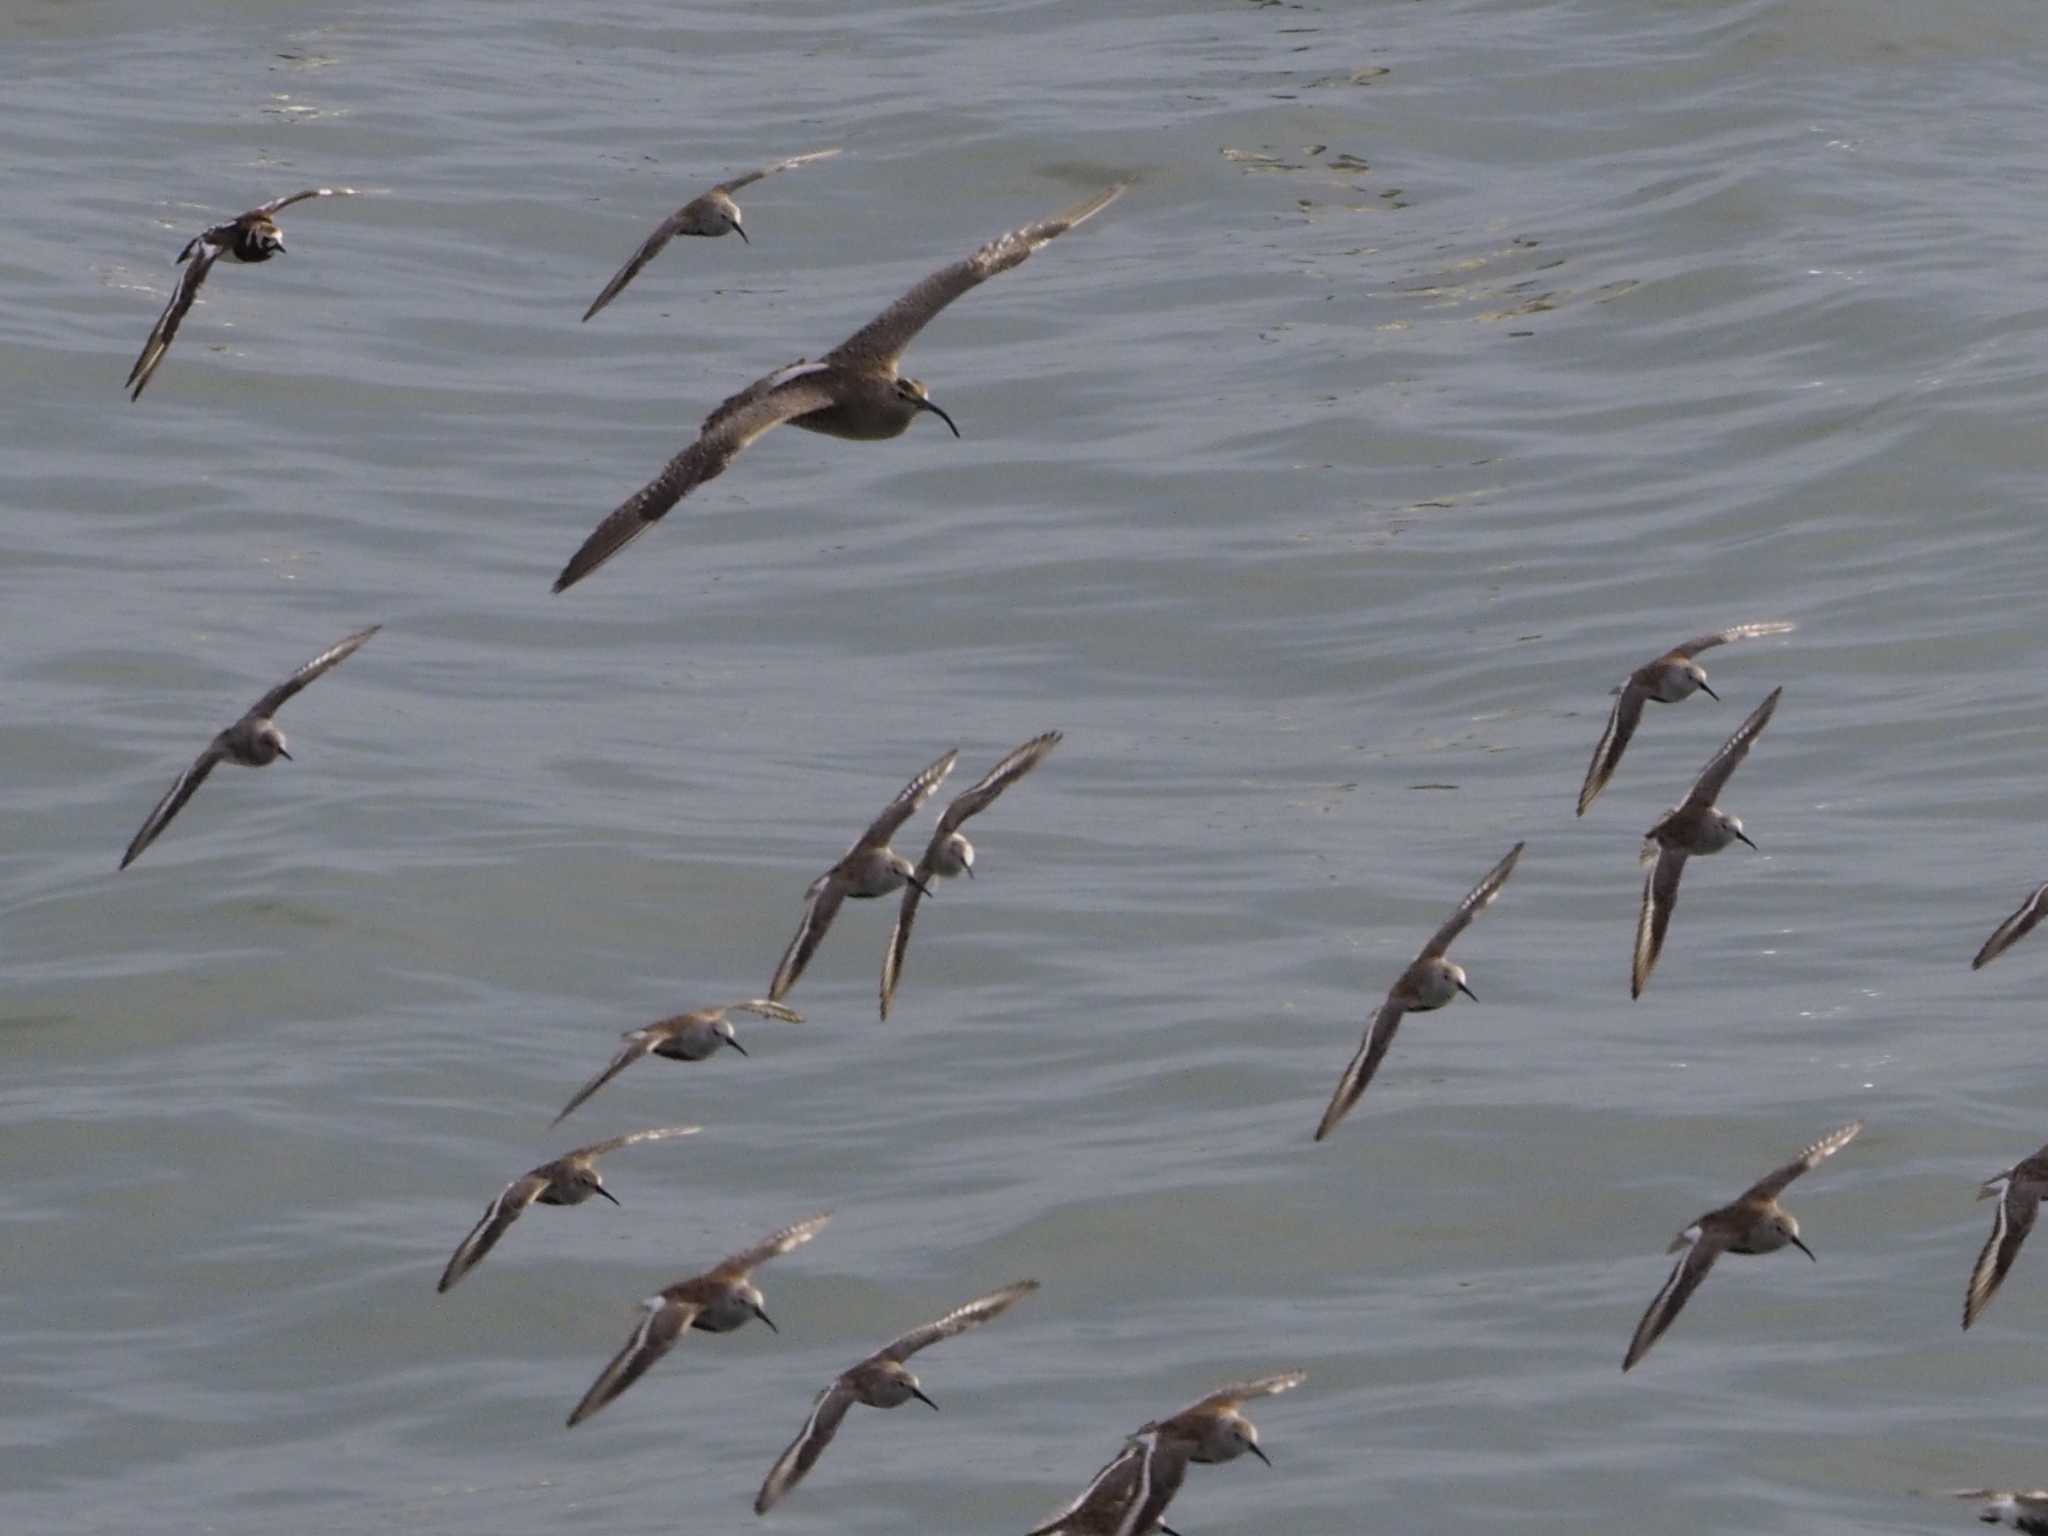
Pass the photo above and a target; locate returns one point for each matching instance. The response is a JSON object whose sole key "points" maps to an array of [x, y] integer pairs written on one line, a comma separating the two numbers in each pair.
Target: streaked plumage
{"points": [[685, 1037], [853, 392], [880, 1381], [868, 869], [2019, 1192], [717, 1301], [254, 741], [248, 237], [1752, 1223], [2013, 929], [712, 214], [1670, 678], [1694, 826], [1430, 982], [570, 1179], [1129, 1496], [949, 854]]}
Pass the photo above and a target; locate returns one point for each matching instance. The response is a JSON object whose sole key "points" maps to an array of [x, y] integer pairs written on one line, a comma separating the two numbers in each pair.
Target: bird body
{"points": [[2019, 1192], [685, 1037]]}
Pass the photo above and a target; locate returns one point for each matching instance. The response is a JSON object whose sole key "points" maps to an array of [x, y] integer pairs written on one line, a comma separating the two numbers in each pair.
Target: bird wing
{"points": [[899, 936], [666, 1321], [705, 459], [747, 1260], [881, 341], [1116, 1485], [983, 1309], [1714, 777], [818, 914], [1160, 1473], [807, 1447], [2012, 930], [750, 177], [167, 323], [1477, 900], [1653, 921], [598, 1149], [638, 1043], [975, 800], [326, 661], [907, 801], [650, 248], [278, 204], [1362, 1066], [2018, 1204], [173, 801], [512, 1201], [1772, 1184], [1700, 643], [1622, 721], [766, 1009], [1244, 1391], [1685, 1278]]}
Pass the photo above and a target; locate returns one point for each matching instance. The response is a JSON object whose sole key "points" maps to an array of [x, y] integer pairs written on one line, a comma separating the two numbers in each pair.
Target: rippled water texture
{"points": [[1445, 362]]}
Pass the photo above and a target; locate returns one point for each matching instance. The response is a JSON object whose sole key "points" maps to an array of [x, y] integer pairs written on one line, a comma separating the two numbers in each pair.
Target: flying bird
{"points": [[854, 391], [880, 1381], [868, 869], [570, 1179], [1694, 826], [1753, 1223], [1429, 983], [712, 214], [686, 1037], [2019, 1192], [1670, 678], [248, 237], [254, 741], [949, 855]]}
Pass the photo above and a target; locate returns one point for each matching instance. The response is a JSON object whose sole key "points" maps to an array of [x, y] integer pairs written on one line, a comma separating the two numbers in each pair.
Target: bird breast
{"points": [[725, 1311], [868, 410], [953, 857], [1430, 984]]}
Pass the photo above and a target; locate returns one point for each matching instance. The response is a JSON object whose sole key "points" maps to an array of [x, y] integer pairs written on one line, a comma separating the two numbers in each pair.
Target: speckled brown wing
{"points": [[666, 1321], [747, 1260], [1684, 1279], [510, 1205], [319, 666], [803, 1452], [203, 255], [1721, 767], [1477, 900]]}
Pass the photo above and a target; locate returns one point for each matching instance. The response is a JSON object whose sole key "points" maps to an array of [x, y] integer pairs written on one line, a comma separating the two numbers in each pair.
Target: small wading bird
{"points": [[949, 855], [569, 1180], [880, 1381], [853, 392], [1429, 983], [2019, 1192], [248, 237], [1753, 1223], [868, 869], [1129, 1496], [717, 1301], [254, 741], [1694, 826], [712, 214], [1670, 678], [686, 1037]]}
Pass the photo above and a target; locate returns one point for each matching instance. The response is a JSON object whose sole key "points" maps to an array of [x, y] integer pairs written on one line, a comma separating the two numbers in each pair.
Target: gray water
{"points": [[1445, 362]]}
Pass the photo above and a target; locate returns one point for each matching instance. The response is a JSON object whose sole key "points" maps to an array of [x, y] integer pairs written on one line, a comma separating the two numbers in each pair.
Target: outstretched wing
{"points": [[747, 1260], [750, 177], [2019, 1202], [1160, 1473], [881, 341], [907, 801], [975, 800], [899, 936], [1622, 721], [807, 1447], [638, 1044], [766, 1009], [166, 328], [983, 1309], [278, 204], [1714, 777], [1684, 1279], [173, 801], [705, 459], [1372, 1051], [1115, 1488], [1772, 1184], [326, 661], [1653, 919], [650, 248], [665, 1322], [511, 1203], [598, 1149], [1700, 643], [1244, 1391], [1477, 900], [819, 911], [2013, 929]]}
